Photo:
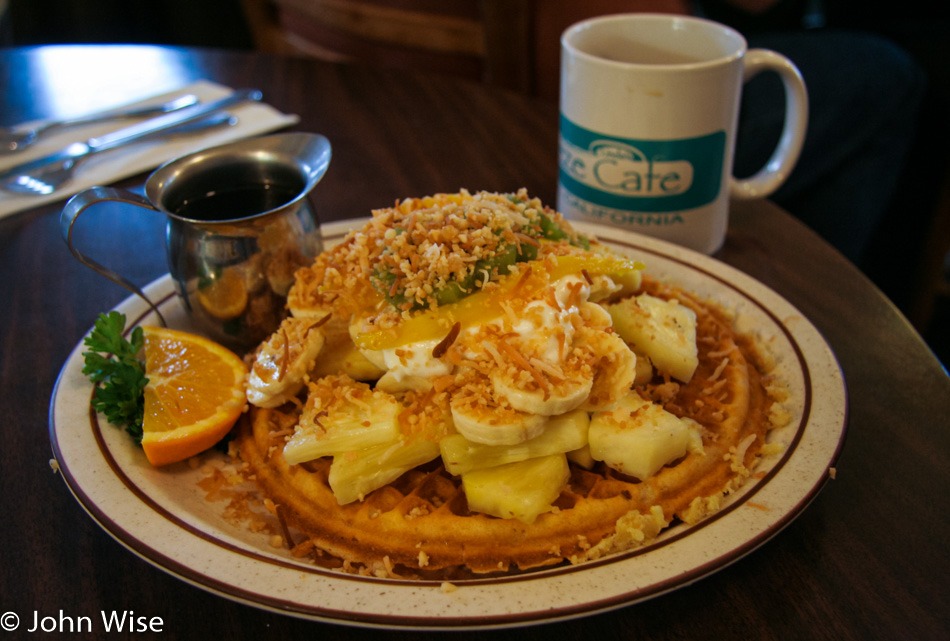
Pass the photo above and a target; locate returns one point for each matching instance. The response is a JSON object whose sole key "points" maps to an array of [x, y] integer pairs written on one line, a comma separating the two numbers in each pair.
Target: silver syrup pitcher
{"points": [[239, 224]]}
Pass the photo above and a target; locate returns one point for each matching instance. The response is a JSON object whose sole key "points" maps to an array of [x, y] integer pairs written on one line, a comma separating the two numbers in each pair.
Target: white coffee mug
{"points": [[649, 107]]}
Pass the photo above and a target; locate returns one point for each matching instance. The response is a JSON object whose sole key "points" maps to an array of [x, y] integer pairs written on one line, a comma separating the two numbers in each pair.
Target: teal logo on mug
{"points": [[641, 175]]}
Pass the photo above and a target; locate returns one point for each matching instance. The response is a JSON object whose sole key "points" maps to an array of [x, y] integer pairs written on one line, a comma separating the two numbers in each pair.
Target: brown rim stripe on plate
{"points": [[287, 606]]}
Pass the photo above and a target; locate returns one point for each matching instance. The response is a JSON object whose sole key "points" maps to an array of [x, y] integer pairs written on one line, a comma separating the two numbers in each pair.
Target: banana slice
{"points": [[391, 383], [412, 367], [595, 316], [283, 361], [614, 374], [494, 425], [537, 373], [560, 397]]}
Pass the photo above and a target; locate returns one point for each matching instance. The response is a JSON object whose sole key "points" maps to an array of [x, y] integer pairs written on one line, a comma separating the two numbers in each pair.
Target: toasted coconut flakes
{"points": [[524, 238], [522, 362], [510, 313], [712, 389], [443, 383], [719, 370], [521, 281], [549, 368], [737, 453], [770, 449], [439, 350], [288, 539], [354, 398], [302, 549], [493, 352]]}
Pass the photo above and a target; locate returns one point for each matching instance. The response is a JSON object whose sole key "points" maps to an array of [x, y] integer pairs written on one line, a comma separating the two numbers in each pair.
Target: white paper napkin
{"points": [[111, 166]]}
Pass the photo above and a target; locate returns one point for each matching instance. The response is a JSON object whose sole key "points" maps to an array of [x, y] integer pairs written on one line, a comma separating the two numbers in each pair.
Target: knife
{"points": [[134, 132]]}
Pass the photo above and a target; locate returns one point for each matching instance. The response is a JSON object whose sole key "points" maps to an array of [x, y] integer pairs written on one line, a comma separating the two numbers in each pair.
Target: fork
{"points": [[14, 139], [45, 175]]}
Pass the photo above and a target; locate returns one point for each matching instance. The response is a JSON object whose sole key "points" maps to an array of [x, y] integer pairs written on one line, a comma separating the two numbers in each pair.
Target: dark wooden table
{"points": [[867, 560]]}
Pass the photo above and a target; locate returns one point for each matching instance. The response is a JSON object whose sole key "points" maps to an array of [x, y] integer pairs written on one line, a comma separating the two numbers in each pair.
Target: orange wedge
{"points": [[195, 394]]}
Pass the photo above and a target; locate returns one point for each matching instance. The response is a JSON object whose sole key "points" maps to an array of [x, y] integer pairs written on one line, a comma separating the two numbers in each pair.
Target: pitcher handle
{"points": [[77, 205]]}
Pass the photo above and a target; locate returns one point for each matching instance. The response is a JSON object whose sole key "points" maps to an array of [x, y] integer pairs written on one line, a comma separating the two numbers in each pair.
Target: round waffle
{"points": [[420, 524]]}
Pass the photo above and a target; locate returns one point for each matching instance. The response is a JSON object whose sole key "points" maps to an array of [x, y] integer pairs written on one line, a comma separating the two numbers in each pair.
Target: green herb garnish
{"points": [[120, 375]]}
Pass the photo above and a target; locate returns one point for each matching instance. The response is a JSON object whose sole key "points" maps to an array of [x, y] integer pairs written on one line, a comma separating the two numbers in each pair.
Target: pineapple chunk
{"points": [[349, 426], [628, 281], [638, 437], [665, 331], [582, 457], [561, 434], [355, 474], [521, 490], [644, 371], [343, 356]]}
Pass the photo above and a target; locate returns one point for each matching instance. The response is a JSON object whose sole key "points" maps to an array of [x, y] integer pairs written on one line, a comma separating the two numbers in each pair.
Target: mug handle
{"points": [[77, 205], [789, 147]]}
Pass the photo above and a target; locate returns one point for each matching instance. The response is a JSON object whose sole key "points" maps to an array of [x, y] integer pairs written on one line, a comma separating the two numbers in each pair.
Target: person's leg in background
{"points": [[879, 78], [864, 95]]}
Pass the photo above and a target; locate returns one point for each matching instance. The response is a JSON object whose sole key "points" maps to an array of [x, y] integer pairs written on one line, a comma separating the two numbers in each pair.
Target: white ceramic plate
{"points": [[162, 516]]}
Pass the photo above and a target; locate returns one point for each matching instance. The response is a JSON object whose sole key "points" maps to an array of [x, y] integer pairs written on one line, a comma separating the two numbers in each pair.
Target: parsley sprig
{"points": [[114, 364]]}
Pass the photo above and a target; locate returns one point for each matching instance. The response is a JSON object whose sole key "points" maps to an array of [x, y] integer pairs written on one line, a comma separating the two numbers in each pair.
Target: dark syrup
{"points": [[237, 202]]}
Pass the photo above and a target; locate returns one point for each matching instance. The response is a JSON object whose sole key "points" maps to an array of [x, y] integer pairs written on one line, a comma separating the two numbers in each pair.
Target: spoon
{"points": [[14, 139]]}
